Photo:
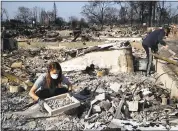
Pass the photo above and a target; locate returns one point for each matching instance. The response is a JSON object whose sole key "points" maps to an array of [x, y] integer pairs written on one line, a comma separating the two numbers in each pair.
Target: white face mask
{"points": [[54, 76]]}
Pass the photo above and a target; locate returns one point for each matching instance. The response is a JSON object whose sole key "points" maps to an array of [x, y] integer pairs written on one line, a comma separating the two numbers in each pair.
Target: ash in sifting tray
{"points": [[56, 103]]}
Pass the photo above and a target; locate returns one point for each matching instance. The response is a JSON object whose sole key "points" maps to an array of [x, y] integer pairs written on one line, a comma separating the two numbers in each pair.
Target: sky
{"points": [[65, 9]]}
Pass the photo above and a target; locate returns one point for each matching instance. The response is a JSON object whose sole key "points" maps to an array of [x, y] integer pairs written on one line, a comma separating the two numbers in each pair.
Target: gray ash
{"points": [[59, 102]]}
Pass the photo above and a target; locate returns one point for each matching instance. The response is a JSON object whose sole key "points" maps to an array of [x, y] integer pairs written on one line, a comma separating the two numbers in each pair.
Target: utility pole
{"points": [[54, 12], [154, 11], [150, 13]]}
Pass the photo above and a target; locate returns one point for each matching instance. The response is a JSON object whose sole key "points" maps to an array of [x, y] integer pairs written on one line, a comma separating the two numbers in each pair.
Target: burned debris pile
{"points": [[128, 101], [133, 100], [46, 34], [52, 37], [110, 98]]}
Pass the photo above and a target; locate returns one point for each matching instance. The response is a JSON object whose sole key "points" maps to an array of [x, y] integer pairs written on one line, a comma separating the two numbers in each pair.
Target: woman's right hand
{"points": [[32, 93]]}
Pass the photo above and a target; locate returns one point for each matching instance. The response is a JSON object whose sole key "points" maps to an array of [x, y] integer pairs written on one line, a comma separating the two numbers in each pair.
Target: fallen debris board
{"points": [[59, 109], [118, 110], [90, 49], [165, 59]]}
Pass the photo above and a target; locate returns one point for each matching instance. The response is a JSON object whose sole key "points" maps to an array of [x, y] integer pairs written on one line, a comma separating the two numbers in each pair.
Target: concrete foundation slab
{"points": [[168, 78], [105, 59]]}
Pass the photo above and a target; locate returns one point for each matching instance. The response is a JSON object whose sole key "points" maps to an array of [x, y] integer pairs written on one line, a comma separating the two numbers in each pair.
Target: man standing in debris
{"points": [[50, 84], [150, 44]]}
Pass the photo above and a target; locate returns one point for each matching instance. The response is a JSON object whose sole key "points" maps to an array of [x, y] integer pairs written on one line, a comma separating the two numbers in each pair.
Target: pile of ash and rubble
{"points": [[122, 101], [47, 34]]}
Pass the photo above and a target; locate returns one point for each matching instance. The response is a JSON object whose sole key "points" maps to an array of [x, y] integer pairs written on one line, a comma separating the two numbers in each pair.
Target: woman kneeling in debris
{"points": [[50, 84]]}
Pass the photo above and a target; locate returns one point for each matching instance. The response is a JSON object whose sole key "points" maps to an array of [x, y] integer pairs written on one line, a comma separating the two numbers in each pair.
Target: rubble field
{"points": [[121, 100], [127, 101]]}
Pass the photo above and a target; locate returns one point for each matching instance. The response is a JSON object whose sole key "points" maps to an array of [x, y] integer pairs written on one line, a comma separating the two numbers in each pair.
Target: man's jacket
{"points": [[154, 38]]}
